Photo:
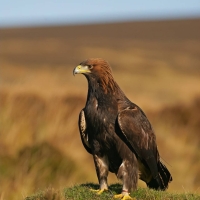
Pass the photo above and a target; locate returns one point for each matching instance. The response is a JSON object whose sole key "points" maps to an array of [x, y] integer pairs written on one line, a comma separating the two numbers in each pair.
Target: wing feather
{"points": [[83, 131], [138, 134]]}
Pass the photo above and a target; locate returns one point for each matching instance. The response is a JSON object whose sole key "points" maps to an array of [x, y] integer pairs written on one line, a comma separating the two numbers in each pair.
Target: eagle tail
{"points": [[162, 180]]}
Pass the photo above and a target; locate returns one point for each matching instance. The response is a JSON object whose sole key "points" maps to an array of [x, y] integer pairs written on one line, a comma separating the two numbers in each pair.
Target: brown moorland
{"points": [[156, 63]]}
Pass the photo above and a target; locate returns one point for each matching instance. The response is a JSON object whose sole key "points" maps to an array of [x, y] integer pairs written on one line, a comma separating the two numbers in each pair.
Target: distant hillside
{"points": [[64, 44]]}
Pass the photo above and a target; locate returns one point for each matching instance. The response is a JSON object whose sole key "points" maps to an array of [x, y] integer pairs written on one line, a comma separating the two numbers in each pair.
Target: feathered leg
{"points": [[128, 173], [101, 164]]}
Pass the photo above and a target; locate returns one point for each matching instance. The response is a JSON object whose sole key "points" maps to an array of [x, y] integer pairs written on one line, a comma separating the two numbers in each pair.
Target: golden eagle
{"points": [[117, 133]]}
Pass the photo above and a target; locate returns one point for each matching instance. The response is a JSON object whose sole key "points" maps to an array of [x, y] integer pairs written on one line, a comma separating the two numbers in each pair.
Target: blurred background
{"points": [[154, 51]]}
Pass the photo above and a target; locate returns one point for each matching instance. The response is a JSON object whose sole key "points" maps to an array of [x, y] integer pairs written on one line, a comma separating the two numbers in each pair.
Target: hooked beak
{"points": [[81, 70]]}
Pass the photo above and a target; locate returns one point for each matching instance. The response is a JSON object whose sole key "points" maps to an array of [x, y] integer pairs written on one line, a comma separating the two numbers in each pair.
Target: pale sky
{"points": [[51, 12]]}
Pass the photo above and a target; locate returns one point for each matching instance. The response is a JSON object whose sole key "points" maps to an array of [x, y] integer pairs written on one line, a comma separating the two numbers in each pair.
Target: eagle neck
{"points": [[101, 91]]}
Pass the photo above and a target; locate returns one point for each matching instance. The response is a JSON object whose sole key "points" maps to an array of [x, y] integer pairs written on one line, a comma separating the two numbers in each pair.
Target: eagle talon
{"points": [[99, 191], [123, 197]]}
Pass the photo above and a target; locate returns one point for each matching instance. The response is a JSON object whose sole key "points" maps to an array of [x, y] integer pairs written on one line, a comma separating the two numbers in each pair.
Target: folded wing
{"points": [[137, 133]]}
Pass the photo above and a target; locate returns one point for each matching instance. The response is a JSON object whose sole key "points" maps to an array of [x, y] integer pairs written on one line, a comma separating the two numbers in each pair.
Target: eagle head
{"points": [[93, 66], [97, 69]]}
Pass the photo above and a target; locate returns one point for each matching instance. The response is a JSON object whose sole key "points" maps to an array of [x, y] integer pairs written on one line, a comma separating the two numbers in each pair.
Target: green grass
{"points": [[83, 192]]}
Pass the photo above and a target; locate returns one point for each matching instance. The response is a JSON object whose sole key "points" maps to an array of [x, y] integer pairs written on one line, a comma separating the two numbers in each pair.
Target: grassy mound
{"points": [[80, 192]]}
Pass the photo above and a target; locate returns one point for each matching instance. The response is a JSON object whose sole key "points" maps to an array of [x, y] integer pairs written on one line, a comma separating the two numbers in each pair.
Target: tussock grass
{"points": [[82, 192], [48, 194], [49, 135]]}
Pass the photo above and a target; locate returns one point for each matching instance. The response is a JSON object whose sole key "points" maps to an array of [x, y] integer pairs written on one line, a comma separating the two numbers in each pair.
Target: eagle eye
{"points": [[90, 66]]}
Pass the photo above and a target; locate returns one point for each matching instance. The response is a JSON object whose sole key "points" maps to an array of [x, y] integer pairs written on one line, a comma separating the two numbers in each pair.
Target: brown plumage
{"points": [[117, 132]]}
